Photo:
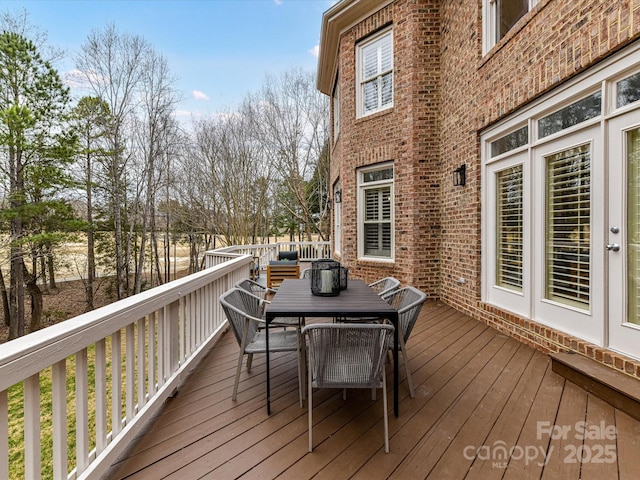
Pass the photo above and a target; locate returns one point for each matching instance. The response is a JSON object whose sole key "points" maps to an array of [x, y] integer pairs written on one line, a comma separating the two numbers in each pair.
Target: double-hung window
{"points": [[499, 16], [375, 212], [375, 74]]}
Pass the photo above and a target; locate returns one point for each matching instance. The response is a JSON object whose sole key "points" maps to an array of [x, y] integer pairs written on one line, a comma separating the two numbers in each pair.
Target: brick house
{"points": [[488, 152]]}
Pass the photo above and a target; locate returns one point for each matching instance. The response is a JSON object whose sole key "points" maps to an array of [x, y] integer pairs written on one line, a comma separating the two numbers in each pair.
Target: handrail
{"points": [[157, 337]]}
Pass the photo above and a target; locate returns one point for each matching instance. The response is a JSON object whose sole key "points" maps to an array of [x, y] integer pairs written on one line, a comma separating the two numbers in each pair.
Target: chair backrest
{"points": [[291, 255], [343, 355], [408, 301], [252, 287], [306, 273], [385, 285], [241, 309]]}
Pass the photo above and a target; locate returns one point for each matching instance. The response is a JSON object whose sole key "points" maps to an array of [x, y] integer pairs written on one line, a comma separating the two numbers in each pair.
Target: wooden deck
{"points": [[486, 407]]}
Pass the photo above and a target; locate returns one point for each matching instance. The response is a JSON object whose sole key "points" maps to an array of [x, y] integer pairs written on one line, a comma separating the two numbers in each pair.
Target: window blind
{"points": [[567, 236], [377, 73], [509, 226], [377, 221]]}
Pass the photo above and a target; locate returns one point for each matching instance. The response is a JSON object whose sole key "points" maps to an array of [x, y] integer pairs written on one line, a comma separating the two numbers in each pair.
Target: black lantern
{"points": [[325, 278], [460, 176], [344, 277]]}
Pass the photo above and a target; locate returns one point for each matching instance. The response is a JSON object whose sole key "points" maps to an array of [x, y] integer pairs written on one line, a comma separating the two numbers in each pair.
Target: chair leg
{"points": [[385, 407], [249, 360], [235, 384], [403, 349], [310, 407]]}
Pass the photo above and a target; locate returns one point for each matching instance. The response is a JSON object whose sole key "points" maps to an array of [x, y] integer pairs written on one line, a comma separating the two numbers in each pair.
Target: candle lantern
{"points": [[344, 277], [325, 277]]}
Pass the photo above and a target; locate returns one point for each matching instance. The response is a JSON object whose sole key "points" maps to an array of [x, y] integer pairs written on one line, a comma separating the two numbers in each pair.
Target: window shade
{"points": [[377, 221], [509, 226], [568, 209]]}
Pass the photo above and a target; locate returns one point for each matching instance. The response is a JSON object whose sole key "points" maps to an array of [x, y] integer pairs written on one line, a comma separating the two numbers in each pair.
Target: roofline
{"points": [[340, 17]]}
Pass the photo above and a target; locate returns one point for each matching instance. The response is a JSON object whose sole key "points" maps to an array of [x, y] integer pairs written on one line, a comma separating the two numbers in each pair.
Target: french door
{"points": [[623, 245]]}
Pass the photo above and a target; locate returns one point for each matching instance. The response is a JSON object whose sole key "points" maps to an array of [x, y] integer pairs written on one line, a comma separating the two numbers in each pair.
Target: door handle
{"points": [[612, 247]]}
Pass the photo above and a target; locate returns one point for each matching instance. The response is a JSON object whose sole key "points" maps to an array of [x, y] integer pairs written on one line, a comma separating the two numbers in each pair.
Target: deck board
{"points": [[476, 389]]}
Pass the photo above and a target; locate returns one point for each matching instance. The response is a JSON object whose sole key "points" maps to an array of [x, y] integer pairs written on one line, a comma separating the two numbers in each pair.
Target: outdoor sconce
{"points": [[460, 176], [337, 197]]}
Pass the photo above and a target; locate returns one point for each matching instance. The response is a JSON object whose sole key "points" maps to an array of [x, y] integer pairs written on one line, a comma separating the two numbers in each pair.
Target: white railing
{"points": [[104, 374], [119, 362], [307, 251]]}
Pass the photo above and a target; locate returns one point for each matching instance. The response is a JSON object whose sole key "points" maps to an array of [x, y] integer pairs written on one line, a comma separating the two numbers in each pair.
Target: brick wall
{"points": [[407, 134]]}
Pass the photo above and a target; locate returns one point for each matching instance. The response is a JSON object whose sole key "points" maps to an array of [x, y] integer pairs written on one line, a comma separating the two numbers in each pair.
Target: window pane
{"points": [[377, 175], [568, 242], [369, 61], [633, 226], [371, 95], [510, 142], [509, 12], [574, 114], [386, 54], [387, 89], [628, 90], [377, 240], [509, 229]]}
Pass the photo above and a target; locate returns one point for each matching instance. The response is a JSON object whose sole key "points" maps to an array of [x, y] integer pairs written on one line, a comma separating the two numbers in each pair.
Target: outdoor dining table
{"points": [[294, 299]]}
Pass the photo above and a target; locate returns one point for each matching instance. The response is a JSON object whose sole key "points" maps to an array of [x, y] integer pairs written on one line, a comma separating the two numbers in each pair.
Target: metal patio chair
{"points": [[381, 287], [408, 301], [244, 312], [385, 285], [347, 356], [261, 291]]}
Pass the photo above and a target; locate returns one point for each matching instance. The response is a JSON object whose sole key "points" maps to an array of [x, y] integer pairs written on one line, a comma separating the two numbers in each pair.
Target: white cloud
{"points": [[82, 80], [315, 51], [198, 95]]}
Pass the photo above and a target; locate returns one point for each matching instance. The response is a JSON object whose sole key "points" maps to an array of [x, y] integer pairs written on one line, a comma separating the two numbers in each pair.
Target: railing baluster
{"points": [[82, 411], [130, 371], [116, 383], [32, 464], [142, 377], [101, 395], [59, 405], [153, 364], [4, 435]]}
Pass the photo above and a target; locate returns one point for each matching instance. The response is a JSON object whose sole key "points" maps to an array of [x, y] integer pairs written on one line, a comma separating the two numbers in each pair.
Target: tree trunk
{"points": [[5, 300], [52, 272], [36, 299]]}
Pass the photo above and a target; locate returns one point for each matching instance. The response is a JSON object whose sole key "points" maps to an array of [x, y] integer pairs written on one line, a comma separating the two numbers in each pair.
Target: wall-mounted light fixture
{"points": [[337, 196], [460, 176]]}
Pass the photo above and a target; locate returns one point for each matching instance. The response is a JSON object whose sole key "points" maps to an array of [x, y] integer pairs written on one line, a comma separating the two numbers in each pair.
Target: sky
{"points": [[219, 50]]}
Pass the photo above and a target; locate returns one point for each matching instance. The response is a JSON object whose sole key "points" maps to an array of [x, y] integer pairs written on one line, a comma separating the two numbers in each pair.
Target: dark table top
{"points": [[294, 299]]}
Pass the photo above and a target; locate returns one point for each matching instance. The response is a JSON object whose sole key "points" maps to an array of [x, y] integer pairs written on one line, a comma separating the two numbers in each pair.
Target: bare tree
{"points": [[233, 166], [155, 136], [292, 126], [113, 67]]}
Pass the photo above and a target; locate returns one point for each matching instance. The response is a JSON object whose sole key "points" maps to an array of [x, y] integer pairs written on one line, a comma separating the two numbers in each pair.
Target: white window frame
{"points": [[380, 39], [363, 186], [490, 23]]}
